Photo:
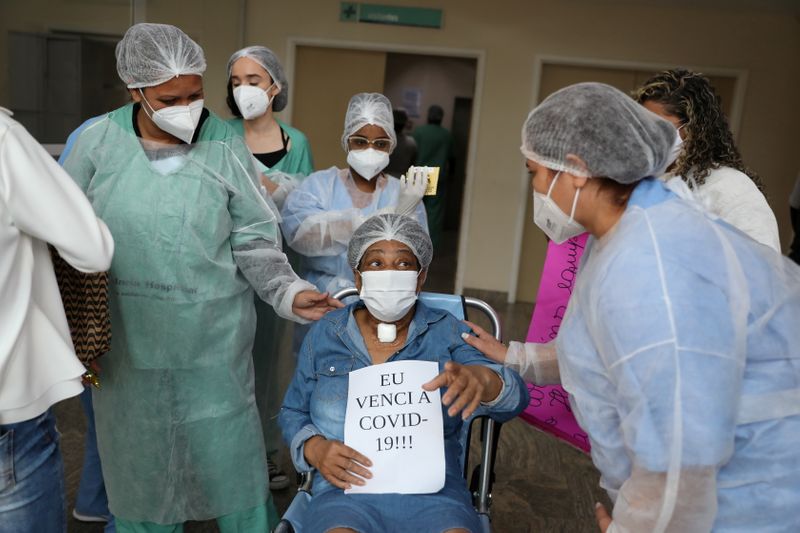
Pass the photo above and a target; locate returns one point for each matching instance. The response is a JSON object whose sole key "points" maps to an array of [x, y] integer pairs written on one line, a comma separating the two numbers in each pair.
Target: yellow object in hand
{"points": [[432, 173]]}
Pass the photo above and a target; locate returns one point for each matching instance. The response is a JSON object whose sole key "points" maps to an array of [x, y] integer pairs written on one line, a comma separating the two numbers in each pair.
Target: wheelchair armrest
{"points": [[304, 481]]}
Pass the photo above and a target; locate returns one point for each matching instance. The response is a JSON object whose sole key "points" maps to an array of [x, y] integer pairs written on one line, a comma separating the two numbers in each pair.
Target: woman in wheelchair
{"points": [[389, 255]]}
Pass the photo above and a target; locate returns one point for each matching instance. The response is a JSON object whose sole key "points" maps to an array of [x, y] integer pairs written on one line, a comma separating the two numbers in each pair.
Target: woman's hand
{"points": [[467, 386], [312, 305], [485, 343], [341, 465], [603, 518]]}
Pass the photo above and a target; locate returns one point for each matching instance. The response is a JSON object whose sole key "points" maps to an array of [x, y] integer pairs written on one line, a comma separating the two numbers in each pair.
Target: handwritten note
{"points": [[549, 409], [395, 423]]}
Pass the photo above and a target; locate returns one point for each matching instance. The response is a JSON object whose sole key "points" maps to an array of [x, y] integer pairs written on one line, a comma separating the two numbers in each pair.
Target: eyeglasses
{"points": [[357, 142]]}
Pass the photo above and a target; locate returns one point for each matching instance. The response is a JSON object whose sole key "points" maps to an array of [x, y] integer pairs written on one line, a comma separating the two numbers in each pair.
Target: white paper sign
{"points": [[398, 426]]}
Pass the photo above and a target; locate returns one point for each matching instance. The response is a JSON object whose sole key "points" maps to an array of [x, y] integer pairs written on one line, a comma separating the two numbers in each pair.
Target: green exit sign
{"points": [[421, 17]]}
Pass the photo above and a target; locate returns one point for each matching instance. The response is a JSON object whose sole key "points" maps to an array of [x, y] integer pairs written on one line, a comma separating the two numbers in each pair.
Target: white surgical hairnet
{"points": [[151, 54], [391, 227], [614, 136], [369, 108], [269, 62]]}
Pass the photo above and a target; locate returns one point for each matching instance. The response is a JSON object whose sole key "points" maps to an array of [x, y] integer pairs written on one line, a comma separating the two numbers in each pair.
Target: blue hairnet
{"points": [[391, 227], [151, 54], [614, 136], [267, 60]]}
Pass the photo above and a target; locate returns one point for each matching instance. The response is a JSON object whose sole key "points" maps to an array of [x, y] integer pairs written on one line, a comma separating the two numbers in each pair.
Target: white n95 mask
{"points": [[389, 294], [674, 152], [179, 120], [252, 101], [552, 220], [368, 163]]}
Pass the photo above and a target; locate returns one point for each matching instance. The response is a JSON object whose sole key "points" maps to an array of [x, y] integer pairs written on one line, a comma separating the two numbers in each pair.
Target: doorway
{"points": [[413, 80]]}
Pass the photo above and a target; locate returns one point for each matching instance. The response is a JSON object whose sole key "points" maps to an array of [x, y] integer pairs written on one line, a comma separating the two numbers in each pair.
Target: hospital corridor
{"points": [[426, 266]]}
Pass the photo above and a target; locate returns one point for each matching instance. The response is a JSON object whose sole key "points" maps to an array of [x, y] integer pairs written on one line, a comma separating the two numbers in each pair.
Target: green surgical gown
{"points": [[178, 430]]}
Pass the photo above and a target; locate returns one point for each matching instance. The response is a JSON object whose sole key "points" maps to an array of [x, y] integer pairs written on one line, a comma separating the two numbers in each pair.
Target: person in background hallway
{"points": [[405, 153], [705, 155], [39, 204], [680, 347], [257, 88], [794, 211], [320, 216], [178, 430], [435, 149]]}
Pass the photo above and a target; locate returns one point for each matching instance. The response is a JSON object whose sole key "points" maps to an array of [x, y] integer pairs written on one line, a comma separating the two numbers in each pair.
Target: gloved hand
{"points": [[412, 189]]}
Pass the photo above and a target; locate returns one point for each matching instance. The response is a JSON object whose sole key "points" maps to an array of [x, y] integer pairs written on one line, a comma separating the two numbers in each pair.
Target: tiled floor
{"points": [[542, 485]]}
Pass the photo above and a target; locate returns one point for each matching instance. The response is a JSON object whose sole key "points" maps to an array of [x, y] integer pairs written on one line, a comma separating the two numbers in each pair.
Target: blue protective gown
{"points": [[320, 216], [681, 353]]}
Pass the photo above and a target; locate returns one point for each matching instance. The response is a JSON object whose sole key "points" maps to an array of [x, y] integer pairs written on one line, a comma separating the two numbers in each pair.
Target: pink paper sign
{"points": [[549, 409]]}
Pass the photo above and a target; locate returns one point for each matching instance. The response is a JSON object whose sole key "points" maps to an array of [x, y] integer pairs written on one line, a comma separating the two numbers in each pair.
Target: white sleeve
{"points": [[641, 498], [734, 197], [536, 363], [45, 203]]}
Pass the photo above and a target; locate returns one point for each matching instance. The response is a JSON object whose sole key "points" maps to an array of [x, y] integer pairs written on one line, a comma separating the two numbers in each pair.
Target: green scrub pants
{"points": [[259, 519]]}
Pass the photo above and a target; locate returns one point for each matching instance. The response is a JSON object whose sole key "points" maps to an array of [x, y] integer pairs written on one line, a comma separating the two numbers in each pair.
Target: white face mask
{"points": [[179, 120], [368, 163], [252, 101], [389, 294], [674, 152], [552, 220]]}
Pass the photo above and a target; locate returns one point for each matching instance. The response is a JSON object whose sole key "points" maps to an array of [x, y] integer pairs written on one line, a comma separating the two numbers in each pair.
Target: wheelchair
{"points": [[481, 477]]}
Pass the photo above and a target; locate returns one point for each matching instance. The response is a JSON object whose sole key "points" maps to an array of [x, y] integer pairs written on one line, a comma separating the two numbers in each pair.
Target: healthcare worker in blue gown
{"points": [[680, 347], [177, 425], [321, 214]]}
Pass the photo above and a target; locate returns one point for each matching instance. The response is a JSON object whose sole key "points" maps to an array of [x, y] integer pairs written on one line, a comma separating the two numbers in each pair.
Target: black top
{"points": [[270, 159]]}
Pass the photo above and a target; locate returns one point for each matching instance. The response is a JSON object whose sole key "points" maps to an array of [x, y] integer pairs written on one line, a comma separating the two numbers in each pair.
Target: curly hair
{"points": [[709, 142]]}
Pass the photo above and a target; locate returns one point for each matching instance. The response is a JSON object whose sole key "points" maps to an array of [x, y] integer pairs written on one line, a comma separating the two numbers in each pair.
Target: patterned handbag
{"points": [[85, 299]]}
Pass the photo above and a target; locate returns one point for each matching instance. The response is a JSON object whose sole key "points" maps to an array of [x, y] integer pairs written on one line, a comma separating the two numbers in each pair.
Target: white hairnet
{"points": [[269, 62], [151, 54], [614, 136], [369, 108], [391, 227]]}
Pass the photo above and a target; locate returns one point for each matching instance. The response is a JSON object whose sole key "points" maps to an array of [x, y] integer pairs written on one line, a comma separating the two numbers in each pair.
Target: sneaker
{"points": [[89, 518], [278, 479]]}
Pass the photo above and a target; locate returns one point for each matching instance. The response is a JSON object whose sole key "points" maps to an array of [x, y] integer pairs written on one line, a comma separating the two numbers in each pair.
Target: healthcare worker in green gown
{"points": [[435, 149], [177, 425], [257, 87]]}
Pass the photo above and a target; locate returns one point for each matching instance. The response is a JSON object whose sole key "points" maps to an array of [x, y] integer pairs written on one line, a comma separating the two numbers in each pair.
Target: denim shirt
{"points": [[316, 401]]}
